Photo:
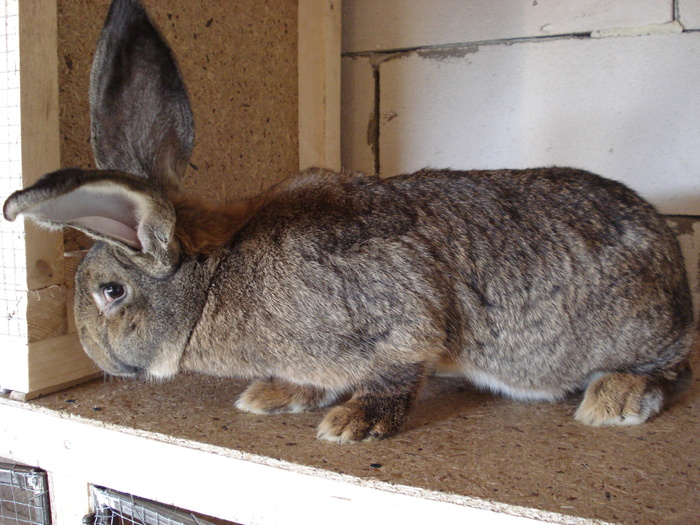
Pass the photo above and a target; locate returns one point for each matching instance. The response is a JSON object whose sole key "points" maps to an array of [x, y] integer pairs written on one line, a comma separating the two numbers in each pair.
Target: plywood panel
{"points": [[458, 443], [239, 61]]}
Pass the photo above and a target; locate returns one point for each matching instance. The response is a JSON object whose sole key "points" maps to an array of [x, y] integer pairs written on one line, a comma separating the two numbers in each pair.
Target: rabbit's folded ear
{"points": [[140, 114], [118, 208]]}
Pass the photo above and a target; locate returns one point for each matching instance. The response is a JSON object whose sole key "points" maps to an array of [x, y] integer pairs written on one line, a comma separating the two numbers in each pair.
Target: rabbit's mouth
{"points": [[116, 367], [122, 369]]}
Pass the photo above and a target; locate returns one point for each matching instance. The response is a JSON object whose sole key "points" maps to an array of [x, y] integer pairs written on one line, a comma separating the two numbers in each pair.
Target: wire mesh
{"points": [[24, 496], [117, 508], [12, 251]]}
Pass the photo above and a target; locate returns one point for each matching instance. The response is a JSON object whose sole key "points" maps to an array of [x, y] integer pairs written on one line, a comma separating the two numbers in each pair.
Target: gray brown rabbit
{"points": [[340, 288]]}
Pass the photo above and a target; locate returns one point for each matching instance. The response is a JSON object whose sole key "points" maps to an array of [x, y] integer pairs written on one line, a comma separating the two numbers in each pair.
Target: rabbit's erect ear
{"points": [[141, 117], [118, 208]]}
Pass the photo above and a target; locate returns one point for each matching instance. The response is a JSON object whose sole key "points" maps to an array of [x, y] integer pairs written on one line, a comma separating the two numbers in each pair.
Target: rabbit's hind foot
{"points": [[270, 396], [630, 399]]}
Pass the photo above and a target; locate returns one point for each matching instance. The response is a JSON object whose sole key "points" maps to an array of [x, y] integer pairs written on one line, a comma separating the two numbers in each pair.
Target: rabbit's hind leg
{"points": [[269, 396], [630, 399]]}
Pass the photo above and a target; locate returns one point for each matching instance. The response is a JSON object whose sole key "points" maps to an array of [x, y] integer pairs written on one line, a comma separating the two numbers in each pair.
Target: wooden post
{"points": [[70, 498], [319, 83], [49, 358]]}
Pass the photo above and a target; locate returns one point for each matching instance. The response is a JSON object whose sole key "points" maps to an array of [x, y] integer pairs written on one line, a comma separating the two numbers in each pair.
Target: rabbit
{"points": [[349, 291]]}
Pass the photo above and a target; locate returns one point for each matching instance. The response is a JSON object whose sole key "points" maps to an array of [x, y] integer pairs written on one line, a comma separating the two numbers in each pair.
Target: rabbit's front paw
{"points": [[269, 396], [365, 418]]}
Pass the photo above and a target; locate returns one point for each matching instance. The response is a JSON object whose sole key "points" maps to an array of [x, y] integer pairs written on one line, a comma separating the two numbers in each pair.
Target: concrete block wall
{"points": [[373, 25], [689, 13], [605, 85]]}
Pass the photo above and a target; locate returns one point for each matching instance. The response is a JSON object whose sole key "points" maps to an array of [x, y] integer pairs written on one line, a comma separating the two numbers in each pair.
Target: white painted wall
{"points": [[689, 13], [625, 107], [357, 114], [371, 25]]}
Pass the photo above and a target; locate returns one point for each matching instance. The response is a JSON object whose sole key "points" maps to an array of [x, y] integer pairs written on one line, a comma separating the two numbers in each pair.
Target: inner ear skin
{"points": [[118, 208]]}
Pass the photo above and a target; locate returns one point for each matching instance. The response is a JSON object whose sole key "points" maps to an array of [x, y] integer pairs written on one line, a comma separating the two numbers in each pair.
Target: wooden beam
{"points": [[58, 363], [47, 366], [46, 313], [38, 47], [319, 83], [70, 498], [40, 135]]}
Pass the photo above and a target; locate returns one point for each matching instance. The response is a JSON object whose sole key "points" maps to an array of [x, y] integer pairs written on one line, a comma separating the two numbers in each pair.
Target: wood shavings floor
{"points": [[458, 441]]}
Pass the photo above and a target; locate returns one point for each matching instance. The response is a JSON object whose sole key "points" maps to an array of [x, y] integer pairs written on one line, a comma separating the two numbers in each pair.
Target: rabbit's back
{"points": [[529, 281]]}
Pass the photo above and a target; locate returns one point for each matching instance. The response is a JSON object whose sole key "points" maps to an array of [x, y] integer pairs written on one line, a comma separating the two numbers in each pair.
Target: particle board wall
{"points": [[239, 61]]}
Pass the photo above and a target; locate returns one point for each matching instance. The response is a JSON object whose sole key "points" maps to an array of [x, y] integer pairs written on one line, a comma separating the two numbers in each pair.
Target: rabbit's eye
{"points": [[113, 291]]}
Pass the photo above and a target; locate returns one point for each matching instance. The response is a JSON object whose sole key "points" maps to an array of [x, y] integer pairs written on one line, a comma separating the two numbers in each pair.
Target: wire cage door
{"points": [[24, 495], [117, 508]]}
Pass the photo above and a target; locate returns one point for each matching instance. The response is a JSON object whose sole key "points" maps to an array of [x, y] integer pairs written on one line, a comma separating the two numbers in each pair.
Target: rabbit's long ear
{"points": [[118, 208], [141, 116]]}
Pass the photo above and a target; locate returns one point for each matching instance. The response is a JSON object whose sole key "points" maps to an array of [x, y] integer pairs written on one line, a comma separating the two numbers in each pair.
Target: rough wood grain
{"points": [[319, 83]]}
